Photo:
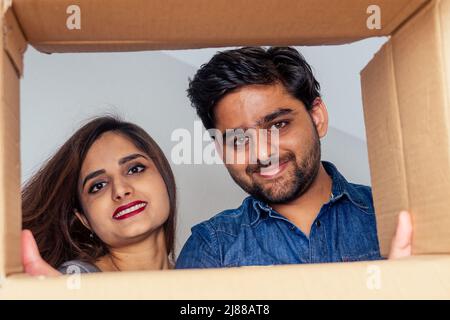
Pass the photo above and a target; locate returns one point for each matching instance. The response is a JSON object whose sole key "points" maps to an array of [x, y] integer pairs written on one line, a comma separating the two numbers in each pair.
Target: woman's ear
{"points": [[83, 219], [319, 116]]}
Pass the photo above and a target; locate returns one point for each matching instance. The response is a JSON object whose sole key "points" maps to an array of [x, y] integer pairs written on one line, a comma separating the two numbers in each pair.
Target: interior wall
{"points": [[59, 92]]}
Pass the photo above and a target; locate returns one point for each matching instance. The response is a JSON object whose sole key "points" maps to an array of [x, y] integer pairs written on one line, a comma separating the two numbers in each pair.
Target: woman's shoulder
{"points": [[77, 266]]}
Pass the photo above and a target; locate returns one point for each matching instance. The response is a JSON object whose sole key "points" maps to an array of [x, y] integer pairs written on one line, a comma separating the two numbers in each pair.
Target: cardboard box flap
{"points": [[10, 204], [15, 43], [423, 91], [116, 25], [412, 278], [385, 142], [406, 92]]}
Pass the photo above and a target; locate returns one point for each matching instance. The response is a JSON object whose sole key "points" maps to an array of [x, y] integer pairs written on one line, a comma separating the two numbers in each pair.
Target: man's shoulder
{"points": [[361, 195], [364, 190]]}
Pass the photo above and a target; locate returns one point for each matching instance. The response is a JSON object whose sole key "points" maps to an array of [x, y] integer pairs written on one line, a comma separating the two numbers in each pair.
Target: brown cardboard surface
{"points": [[10, 218], [14, 40], [424, 277], [424, 107], [406, 99], [384, 141], [117, 25]]}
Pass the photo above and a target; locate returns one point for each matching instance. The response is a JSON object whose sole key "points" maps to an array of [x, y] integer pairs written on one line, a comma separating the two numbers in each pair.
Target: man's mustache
{"points": [[253, 168]]}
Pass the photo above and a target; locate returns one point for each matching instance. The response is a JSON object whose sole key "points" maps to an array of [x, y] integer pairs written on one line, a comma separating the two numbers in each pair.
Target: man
{"points": [[300, 210]]}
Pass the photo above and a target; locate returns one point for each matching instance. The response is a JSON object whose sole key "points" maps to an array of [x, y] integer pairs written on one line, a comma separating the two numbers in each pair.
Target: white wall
{"points": [[61, 91]]}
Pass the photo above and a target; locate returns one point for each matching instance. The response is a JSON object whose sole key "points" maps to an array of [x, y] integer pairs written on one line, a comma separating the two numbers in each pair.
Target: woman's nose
{"points": [[122, 190]]}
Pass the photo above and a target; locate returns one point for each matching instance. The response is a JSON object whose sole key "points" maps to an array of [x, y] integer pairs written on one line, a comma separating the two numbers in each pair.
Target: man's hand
{"points": [[32, 261], [402, 242]]}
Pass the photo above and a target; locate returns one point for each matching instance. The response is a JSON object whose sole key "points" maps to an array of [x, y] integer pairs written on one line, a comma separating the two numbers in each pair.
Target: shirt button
{"points": [[318, 224]]}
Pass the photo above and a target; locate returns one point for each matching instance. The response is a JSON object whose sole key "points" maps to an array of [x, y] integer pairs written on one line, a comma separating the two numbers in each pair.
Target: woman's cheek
{"points": [[156, 192], [99, 212], [165, 202]]}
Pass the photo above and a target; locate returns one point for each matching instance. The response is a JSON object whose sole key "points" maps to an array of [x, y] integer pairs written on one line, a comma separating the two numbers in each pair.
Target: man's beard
{"points": [[289, 187]]}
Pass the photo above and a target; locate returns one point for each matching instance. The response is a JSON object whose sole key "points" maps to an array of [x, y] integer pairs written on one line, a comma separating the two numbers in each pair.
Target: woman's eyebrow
{"points": [[92, 175], [123, 160], [131, 157]]}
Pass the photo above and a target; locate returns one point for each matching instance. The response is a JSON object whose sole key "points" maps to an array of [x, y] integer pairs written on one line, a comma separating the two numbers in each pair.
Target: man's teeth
{"points": [[269, 171], [133, 208]]}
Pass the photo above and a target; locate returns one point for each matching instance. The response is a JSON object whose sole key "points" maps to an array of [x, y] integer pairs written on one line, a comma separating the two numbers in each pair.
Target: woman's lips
{"points": [[129, 210], [272, 171]]}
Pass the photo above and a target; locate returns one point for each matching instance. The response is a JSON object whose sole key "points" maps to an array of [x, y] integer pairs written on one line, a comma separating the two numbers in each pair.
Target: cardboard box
{"points": [[406, 91], [406, 104]]}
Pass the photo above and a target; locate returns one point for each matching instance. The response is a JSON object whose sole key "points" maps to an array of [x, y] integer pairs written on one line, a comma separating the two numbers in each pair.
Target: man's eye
{"points": [[240, 140], [279, 125], [97, 187], [136, 169]]}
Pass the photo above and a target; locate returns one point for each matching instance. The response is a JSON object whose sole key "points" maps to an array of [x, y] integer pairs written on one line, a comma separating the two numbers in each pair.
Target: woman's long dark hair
{"points": [[50, 197]]}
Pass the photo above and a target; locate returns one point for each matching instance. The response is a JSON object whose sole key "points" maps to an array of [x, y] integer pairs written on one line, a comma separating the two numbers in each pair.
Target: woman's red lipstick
{"points": [[129, 210]]}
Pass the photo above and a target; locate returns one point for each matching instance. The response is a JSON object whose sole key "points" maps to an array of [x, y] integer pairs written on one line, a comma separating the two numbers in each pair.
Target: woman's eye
{"points": [[136, 169], [97, 187], [279, 125]]}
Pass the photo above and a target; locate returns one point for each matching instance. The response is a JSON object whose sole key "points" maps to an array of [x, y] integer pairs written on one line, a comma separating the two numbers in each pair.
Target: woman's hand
{"points": [[401, 245], [32, 261]]}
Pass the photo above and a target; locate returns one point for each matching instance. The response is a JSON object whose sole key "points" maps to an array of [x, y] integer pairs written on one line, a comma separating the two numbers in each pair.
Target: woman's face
{"points": [[122, 193]]}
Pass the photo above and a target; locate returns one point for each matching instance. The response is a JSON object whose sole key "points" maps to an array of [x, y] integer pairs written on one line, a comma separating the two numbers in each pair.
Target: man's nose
{"points": [[265, 147]]}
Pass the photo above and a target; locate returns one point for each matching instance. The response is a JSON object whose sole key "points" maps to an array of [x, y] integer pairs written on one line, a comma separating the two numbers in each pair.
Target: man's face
{"points": [[271, 107]]}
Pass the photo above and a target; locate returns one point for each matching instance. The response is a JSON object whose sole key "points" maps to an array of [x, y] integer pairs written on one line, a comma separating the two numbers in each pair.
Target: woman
{"points": [[106, 201]]}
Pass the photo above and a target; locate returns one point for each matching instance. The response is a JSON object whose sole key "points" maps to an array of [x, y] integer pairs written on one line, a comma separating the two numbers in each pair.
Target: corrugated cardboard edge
{"points": [[15, 43], [117, 46], [425, 277], [10, 205], [444, 6]]}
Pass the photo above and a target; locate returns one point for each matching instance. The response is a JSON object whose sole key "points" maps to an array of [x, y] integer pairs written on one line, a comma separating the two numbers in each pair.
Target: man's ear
{"points": [[83, 219], [216, 135], [319, 116]]}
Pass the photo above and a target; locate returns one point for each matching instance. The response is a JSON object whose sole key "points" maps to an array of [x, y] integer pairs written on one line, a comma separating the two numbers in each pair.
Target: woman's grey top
{"points": [[77, 266]]}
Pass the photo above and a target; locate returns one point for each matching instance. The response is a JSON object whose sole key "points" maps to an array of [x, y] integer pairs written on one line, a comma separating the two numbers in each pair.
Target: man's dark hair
{"points": [[232, 69]]}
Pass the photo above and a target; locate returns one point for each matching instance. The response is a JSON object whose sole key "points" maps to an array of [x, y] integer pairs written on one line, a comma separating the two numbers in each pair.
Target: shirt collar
{"points": [[340, 188]]}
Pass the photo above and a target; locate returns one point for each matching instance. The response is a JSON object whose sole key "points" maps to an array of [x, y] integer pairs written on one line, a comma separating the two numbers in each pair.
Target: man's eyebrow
{"points": [[122, 161], [271, 116], [265, 119]]}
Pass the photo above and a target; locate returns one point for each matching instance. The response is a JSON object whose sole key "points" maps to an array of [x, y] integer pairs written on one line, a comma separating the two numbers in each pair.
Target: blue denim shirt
{"points": [[255, 234]]}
